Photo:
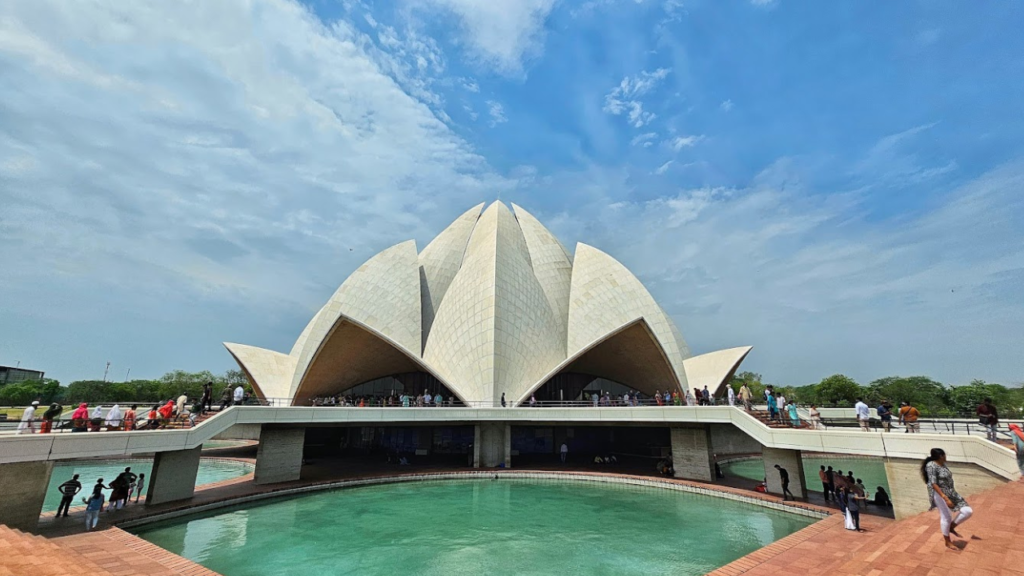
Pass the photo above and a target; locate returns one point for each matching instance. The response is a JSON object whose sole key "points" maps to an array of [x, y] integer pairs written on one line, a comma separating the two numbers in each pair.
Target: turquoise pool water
{"points": [[474, 527], [90, 471], [872, 472]]}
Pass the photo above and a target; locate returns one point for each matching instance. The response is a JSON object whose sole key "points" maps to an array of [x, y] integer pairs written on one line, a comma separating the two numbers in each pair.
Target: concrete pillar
{"points": [[173, 476], [792, 462], [910, 495], [728, 439], [493, 445], [25, 486], [691, 454], [279, 456]]}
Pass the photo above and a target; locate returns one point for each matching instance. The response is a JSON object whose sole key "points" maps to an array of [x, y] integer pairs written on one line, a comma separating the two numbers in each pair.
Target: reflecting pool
{"points": [[472, 527], [872, 471], [210, 470]]}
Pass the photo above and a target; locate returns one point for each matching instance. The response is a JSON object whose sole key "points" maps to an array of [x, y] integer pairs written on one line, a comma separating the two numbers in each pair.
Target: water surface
{"points": [[477, 527]]}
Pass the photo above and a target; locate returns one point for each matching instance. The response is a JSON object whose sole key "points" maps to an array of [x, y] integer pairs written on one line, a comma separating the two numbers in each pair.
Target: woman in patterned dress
{"points": [[943, 495]]}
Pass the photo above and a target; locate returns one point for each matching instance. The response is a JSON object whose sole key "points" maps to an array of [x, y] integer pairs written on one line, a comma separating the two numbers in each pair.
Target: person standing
{"points": [[773, 408], [533, 401], [731, 395], [988, 417], [503, 404], [745, 396], [909, 416], [943, 495], [780, 401], [863, 414], [54, 411], [239, 394], [225, 398], [784, 477], [815, 417], [68, 490], [27, 425], [79, 418], [705, 396], [139, 487], [690, 400], [129, 418], [114, 418], [179, 405], [207, 398], [794, 416], [825, 489], [93, 507], [830, 476], [564, 452], [886, 415]]}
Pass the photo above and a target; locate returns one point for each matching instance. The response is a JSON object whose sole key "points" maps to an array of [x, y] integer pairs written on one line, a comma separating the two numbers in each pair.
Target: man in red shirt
{"points": [[988, 417]]}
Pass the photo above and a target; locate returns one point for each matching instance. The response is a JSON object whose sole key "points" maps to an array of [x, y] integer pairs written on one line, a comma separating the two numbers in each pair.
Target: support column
{"points": [[793, 462], [173, 476], [691, 454], [279, 456], [493, 445], [25, 486]]}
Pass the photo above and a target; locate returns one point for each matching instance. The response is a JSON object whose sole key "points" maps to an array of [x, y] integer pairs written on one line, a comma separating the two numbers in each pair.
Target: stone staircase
{"points": [[762, 416]]}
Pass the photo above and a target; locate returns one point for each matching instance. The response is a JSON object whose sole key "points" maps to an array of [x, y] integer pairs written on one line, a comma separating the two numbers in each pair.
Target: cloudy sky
{"points": [[838, 184]]}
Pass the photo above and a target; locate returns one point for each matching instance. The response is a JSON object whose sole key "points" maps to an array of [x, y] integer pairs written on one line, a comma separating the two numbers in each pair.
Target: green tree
{"points": [[965, 399], [925, 394], [25, 392], [838, 390]]}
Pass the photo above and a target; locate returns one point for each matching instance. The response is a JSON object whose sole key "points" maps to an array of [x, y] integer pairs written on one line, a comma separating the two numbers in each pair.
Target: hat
{"points": [[35, 402]]}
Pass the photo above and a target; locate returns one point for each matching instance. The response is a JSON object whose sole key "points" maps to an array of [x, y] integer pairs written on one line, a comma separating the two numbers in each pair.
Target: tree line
{"points": [[170, 385], [931, 398]]}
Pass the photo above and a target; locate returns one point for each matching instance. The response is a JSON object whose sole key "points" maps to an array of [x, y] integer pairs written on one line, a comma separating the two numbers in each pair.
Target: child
{"points": [[93, 507], [141, 485]]}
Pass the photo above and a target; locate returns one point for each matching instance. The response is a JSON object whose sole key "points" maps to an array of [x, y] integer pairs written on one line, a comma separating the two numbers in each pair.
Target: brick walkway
{"points": [[992, 545]]}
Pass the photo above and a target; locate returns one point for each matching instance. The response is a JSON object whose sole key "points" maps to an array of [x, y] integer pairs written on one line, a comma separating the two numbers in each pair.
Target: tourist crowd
{"points": [[122, 488], [116, 418]]}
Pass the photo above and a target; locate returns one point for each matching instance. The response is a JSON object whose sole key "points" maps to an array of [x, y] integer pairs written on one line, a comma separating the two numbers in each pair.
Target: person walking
{"points": [[784, 477], [988, 417], [54, 411], [80, 417], [690, 400], [773, 408], [129, 418], [863, 414], [731, 394], [93, 507], [815, 417], [851, 502], [908, 417], [27, 425], [225, 398], [746, 396], [68, 490], [114, 418], [826, 489], [885, 414], [943, 495], [564, 452], [794, 416], [503, 404]]}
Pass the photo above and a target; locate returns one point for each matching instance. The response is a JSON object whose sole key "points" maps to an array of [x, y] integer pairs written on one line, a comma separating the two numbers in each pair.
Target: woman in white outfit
{"points": [[732, 396], [943, 495], [114, 418]]}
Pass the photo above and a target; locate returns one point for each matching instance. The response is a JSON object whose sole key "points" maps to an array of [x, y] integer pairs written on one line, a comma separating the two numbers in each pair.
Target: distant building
{"points": [[12, 375]]}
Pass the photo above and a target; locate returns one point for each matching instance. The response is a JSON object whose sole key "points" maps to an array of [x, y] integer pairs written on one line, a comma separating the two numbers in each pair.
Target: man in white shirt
{"points": [[732, 396], [863, 414], [565, 452], [239, 394], [27, 425]]}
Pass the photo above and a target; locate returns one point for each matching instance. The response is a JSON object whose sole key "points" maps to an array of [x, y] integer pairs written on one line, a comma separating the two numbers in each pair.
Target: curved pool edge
{"points": [[737, 495]]}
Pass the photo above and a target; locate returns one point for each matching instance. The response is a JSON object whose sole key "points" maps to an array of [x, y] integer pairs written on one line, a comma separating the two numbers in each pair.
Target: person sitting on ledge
{"points": [[882, 498]]}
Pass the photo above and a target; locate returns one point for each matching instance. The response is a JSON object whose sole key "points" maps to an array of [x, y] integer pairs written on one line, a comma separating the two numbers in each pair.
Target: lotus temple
{"points": [[493, 306], [548, 452]]}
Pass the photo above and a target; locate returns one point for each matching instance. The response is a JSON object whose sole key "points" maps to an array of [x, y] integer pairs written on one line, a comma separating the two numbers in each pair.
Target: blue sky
{"points": [[838, 184]]}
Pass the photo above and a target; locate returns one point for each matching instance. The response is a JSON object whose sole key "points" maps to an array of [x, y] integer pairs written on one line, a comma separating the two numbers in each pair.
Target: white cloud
{"points": [[209, 166], [664, 167], [500, 34], [645, 140], [799, 272], [626, 96], [497, 112], [726, 105], [680, 142]]}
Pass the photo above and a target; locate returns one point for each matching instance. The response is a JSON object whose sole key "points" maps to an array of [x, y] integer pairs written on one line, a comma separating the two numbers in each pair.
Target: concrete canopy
{"points": [[493, 305]]}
